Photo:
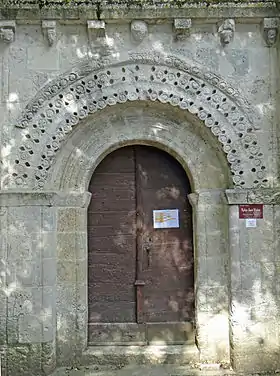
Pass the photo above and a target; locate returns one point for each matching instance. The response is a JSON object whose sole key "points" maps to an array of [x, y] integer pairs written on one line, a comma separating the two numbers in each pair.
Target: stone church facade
{"points": [[197, 82]]}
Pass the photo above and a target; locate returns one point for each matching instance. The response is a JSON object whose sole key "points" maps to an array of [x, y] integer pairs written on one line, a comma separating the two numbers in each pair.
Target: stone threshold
{"points": [[147, 370], [136, 355]]}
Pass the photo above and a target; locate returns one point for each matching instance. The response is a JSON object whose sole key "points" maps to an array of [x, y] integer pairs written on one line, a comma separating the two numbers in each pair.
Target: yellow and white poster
{"points": [[167, 218]]}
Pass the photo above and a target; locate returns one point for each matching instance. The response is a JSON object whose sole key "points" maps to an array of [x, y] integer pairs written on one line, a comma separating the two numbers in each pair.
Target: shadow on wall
{"points": [[30, 286]]}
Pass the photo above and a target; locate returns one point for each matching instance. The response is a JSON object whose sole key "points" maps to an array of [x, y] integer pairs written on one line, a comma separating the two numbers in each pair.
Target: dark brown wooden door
{"points": [[140, 277]]}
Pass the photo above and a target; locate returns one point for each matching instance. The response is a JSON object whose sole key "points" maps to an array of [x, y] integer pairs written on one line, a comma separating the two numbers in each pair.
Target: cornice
{"points": [[80, 10]]}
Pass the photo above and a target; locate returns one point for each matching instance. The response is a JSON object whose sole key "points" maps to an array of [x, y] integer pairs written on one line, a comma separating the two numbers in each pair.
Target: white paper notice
{"points": [[168, 218], [251, 222]]}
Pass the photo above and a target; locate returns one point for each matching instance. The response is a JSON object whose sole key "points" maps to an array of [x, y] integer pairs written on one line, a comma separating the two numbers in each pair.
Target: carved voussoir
{"points": [[270, 30], [7, 31], [139, 30], [96, 29], [226, 31], [182, 27], [49, 29], [167, 76]]}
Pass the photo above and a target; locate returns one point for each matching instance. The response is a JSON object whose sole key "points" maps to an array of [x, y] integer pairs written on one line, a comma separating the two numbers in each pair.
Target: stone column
{"points": [[211, 274], [34, 311], [255, 277], [72, 281]]}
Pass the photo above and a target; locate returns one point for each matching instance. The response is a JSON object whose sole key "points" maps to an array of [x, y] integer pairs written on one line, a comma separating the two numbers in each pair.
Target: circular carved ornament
{"points": [[93, 86]]}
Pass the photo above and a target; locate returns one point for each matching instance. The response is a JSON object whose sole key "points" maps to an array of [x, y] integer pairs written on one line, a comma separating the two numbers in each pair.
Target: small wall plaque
{"points": [[251, 211], [167, 218], [251, 222]]}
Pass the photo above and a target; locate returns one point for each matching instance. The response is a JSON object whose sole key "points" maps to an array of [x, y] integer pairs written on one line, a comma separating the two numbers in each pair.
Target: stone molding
{"points": [[64, 102], [138, 9], [50, 199], [208, 197], [267, 196], [82, 199]]}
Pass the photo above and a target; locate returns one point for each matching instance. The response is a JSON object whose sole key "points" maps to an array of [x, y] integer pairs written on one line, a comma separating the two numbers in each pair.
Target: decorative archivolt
{"points": [[62, 104]]}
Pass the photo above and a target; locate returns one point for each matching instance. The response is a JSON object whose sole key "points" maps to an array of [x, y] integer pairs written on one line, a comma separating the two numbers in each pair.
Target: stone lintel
{"points": [[266, 196], [50, 199]]}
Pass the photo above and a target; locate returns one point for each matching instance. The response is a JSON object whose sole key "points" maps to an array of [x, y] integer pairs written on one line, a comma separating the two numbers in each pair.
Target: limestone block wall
{"points": [[28, 271], [246, 63], [208, 94], [254, 260]]}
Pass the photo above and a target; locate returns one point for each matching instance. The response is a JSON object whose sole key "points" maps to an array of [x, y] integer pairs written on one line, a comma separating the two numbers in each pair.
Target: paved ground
{"points": [[161, 370]]}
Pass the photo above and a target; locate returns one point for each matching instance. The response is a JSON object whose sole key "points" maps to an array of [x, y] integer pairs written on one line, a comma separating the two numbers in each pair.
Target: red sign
{"points": [[251, 211]]}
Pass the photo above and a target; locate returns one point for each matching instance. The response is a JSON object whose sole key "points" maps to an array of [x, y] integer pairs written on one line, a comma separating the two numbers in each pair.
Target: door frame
{"points": [[149, 332], [210, 216]]}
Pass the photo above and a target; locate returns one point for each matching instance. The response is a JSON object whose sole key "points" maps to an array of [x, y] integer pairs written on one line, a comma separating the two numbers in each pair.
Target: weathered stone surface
{"points": [[139, 30], [49, 28], [21, 360], [271, 26], [80, 81]]}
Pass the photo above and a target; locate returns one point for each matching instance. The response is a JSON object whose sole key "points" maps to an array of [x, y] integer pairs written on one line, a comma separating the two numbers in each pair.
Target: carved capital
{"points": [[226, 31], [49, 30], [270, 30], [7, 31], [96, 29], [139, 30], [182, 27]]}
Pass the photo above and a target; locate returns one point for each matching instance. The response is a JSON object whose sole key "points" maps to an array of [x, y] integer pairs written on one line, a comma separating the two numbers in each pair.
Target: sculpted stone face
{"points": [[7, 35], [226, 31], [226, 36], [139, 30], [271, 36], [51, 36]]}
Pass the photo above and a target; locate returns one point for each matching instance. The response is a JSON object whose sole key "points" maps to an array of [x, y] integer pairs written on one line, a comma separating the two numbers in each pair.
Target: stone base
{"points": [[153, 354], [140, 370]]}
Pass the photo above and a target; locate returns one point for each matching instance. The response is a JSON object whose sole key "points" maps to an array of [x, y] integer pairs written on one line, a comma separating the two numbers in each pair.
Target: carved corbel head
{"points": [[139, 30], [226, 31], [96, 29], [49, 30], [270, 30], [7, 31], [182, 27]]}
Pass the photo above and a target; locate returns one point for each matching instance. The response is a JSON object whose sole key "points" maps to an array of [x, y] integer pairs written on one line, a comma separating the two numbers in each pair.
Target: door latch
{"points": [[148, 250]]}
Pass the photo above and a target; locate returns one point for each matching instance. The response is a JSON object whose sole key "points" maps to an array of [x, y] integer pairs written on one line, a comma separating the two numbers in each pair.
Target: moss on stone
{"points": [[140, 3]]}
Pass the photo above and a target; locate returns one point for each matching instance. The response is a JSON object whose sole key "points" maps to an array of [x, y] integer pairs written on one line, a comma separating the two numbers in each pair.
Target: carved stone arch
{"points": [[152, 124], [57, 109]]}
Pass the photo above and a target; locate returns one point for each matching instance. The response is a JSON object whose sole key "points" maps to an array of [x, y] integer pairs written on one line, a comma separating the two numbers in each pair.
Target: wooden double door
{"points": [[140, 277]]}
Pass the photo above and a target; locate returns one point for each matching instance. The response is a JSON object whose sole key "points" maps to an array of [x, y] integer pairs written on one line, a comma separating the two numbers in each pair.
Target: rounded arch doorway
{"points": [[140, 260]]}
